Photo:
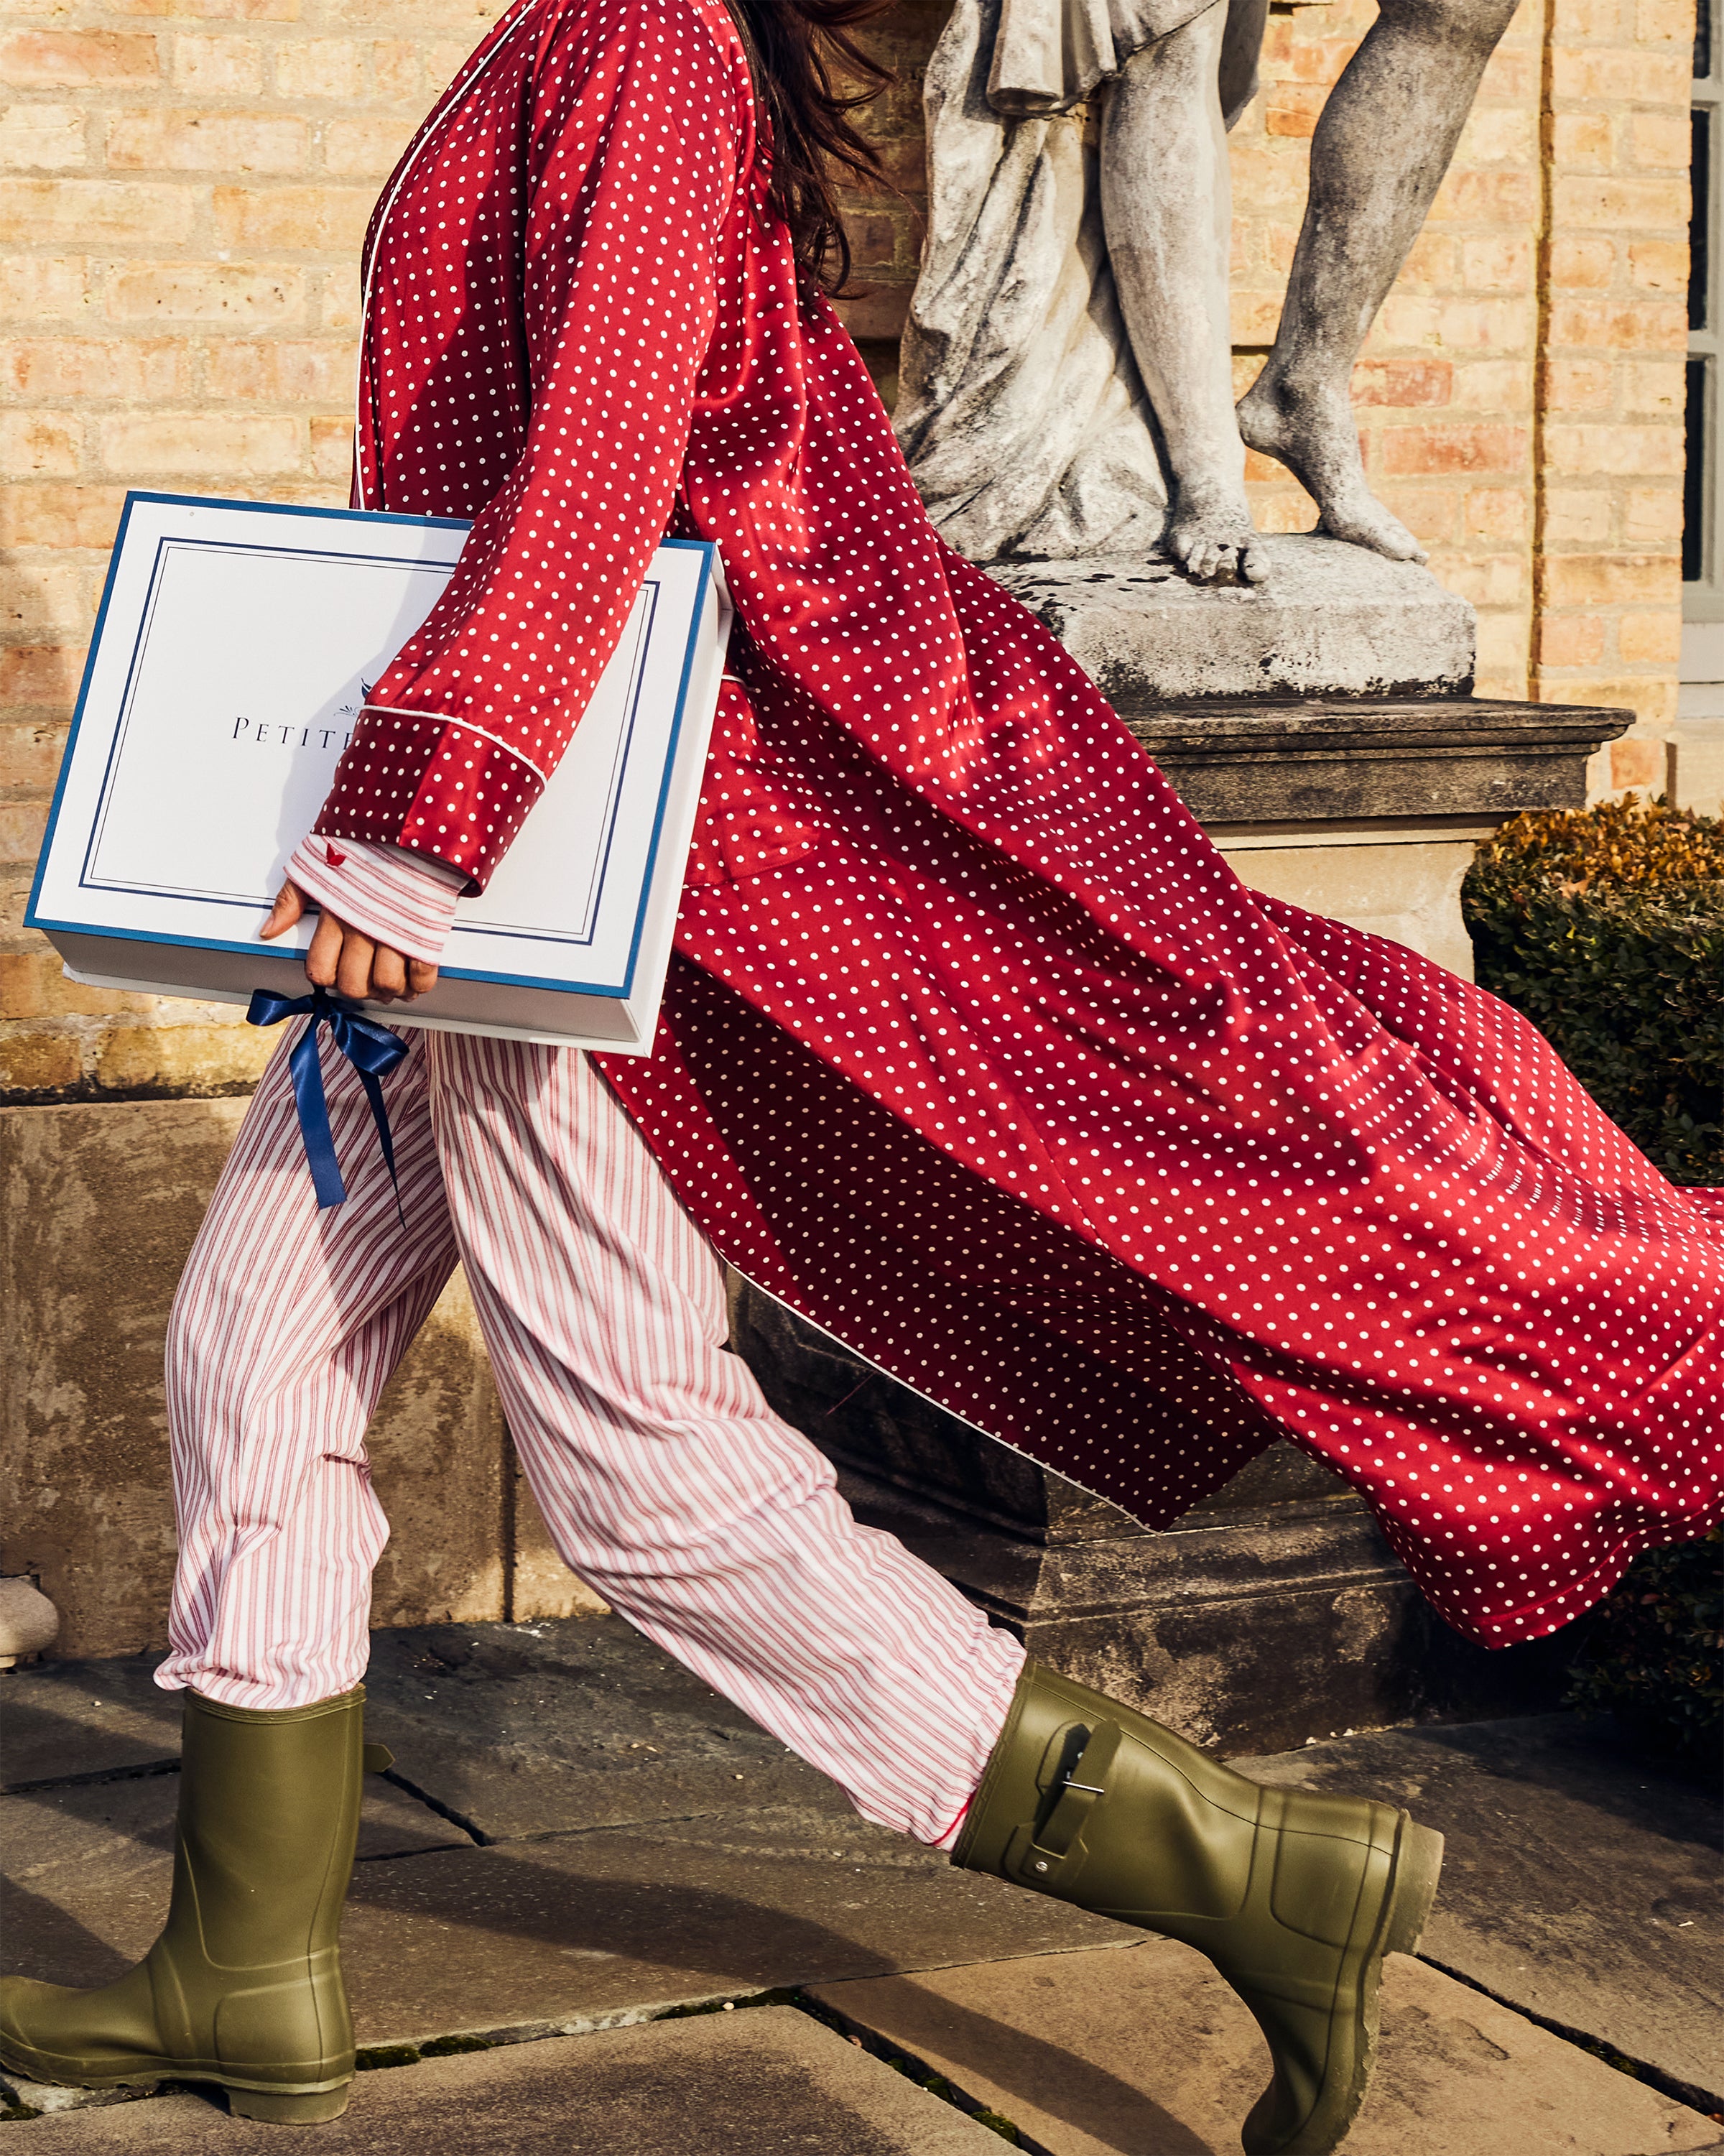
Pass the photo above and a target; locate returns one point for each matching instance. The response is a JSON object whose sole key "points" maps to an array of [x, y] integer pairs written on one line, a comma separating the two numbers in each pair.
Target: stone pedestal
{"points": [[1332, 620], [1320, 731], [1368, 808], [1319, 725]]}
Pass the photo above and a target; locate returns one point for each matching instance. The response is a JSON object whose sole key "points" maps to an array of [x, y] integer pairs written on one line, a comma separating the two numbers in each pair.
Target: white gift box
{"points": [[236, 644]]}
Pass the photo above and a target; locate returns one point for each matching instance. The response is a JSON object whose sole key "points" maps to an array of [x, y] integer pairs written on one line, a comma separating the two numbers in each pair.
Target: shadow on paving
{"points": [[61, 1720], [601, 1837], [1147, 2051], [575, 1930], [645, 1844], [771, 2083], [564, 1727]]}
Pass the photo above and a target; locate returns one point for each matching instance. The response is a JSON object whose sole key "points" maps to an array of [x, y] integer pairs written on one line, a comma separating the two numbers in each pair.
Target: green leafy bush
{"points": [[1605, 927]]}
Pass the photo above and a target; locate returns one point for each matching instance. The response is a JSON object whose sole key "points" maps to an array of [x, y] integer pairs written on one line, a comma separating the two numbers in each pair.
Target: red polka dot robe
{"points": [[974, 1050]]}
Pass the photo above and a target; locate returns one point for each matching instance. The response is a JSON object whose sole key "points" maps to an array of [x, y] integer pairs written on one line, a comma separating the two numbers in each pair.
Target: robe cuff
{"points": [[390, 895], [435, 785]]}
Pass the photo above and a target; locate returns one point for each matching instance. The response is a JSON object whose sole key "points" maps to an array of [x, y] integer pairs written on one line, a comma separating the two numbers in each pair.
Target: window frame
{"points": [[1703, 596]]}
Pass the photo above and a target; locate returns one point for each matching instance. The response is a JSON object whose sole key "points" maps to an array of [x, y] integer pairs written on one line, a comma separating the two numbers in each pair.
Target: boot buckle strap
{"points": [[1059, 1841]]}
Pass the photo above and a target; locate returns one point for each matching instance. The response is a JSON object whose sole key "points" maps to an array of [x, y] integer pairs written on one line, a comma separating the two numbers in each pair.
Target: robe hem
{"points": [[880, 1370]]}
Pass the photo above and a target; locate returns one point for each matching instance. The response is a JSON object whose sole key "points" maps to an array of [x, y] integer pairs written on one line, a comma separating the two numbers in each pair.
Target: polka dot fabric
{"points": [[975, 1050]]}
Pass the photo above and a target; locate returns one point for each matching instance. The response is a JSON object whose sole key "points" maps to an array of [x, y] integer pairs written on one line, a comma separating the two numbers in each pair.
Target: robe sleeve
{"points": [[630, 193]]}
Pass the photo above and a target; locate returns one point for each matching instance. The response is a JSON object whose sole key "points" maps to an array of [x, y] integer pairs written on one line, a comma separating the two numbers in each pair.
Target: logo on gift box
{"points": [[162, 857], [271, 734]]}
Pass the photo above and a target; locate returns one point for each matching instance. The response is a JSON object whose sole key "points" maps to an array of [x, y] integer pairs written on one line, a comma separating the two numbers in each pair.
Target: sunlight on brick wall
{"points": [[183, 188], [184, 185], [1610, 462], [1443, 391]]}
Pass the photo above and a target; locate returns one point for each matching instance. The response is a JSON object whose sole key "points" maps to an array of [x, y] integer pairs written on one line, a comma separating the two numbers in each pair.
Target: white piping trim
{"points": [[445, 719], [452, 101]]}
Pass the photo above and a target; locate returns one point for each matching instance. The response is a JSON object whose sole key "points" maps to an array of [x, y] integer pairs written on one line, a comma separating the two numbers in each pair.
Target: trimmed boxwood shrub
{"points": [[1605, 927]]}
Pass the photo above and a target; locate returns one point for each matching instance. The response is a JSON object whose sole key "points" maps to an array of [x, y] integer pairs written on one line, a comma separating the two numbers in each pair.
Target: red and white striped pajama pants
{"points": [[667, 1481]]}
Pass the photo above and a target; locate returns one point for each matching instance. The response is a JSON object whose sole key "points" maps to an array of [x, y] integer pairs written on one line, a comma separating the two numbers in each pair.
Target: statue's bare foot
{"points": [[1315, 436], [1211, 535]]}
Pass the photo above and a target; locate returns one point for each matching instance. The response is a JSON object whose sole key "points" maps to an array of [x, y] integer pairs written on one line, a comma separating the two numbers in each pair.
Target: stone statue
{"points": [[1066, 380]]}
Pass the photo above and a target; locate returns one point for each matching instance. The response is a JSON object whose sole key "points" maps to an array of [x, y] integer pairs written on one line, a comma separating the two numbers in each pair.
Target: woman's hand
{"points": [[343, 959]]}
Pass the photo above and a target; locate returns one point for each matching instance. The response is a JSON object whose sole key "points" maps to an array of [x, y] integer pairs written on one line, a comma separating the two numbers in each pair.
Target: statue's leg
{"points": [[1167, 204], [1380, 151]]}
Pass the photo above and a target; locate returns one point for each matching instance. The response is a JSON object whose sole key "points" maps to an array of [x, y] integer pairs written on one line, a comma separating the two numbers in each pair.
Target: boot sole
{"points": [[311, 2104], [1416, 1866]]}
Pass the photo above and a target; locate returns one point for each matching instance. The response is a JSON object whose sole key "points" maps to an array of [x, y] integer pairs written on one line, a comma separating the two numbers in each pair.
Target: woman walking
{"points": [[974, 1051]]}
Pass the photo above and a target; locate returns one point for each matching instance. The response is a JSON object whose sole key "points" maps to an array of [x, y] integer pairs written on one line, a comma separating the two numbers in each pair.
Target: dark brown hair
{"points": [[793, 47]]}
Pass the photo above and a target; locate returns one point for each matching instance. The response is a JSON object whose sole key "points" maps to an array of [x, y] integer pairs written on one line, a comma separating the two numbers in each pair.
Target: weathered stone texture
{"points": [[1581, 1879], [1109, 2054], [99, 1205], [1332, 620], [773, 2082]]}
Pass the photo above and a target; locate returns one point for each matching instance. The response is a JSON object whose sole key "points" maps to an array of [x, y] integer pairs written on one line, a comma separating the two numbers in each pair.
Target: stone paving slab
{"points": [[770, 2082], [87, 1867], [567, 1725], [63, 1718], [1581, 1881], [585, 1931], [1148, 2053], [571, 1932], [515, 1729]]}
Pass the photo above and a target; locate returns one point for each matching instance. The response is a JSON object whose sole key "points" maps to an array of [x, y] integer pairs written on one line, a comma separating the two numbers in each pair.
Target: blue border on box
{"points": [[33, 917]]}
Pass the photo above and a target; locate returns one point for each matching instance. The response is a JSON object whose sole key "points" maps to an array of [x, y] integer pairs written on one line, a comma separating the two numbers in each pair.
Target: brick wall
{"points": [[183, 184], [1444, 389], [1608, 455]]}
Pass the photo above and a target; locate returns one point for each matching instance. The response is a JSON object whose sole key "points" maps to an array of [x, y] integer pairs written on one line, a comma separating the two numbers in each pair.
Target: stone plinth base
{"points": [[1273, 1612], [1401, 880], [1367, 809], [1333, 620]]}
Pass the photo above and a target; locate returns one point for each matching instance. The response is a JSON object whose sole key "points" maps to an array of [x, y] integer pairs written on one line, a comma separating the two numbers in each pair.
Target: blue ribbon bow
{"points": [[372, 1050]]}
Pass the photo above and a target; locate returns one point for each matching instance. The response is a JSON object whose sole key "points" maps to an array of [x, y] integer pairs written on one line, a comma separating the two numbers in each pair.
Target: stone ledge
{"points": [[1337, 760]]}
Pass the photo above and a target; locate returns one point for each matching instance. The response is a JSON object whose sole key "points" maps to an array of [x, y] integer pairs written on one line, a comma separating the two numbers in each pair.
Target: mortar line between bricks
{"points": [[1709, 2104]]}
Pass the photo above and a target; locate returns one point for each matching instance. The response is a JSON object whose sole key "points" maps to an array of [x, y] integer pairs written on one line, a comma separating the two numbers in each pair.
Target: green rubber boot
{"points": [[1296, 1897], [244, 1987]]}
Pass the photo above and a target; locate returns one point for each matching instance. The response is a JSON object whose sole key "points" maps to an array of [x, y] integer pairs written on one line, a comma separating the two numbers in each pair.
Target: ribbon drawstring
{"points": [[372, 1050]]}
